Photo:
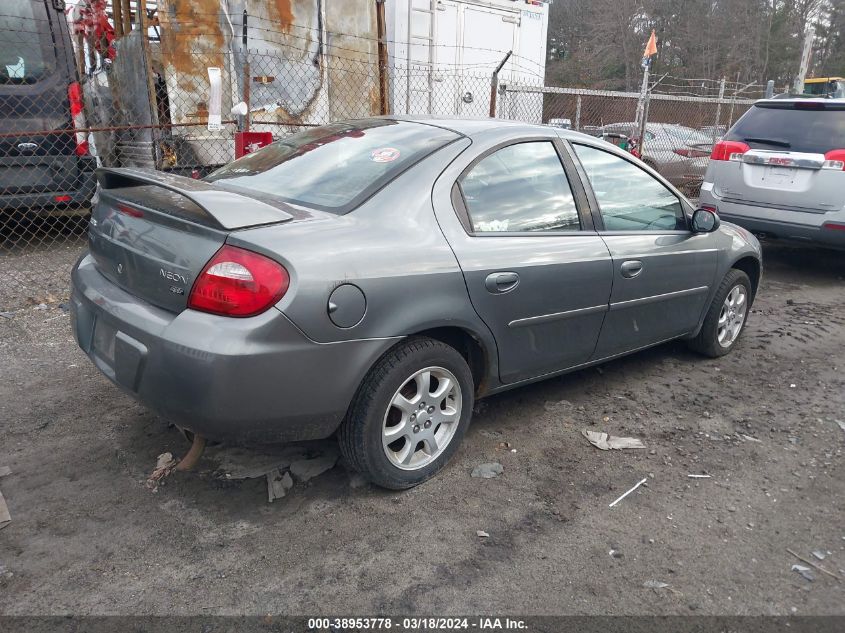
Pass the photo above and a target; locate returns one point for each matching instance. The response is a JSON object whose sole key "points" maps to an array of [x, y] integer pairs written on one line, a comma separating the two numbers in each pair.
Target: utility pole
{"points": [[719, 109], [641, 117], [806, 54]]}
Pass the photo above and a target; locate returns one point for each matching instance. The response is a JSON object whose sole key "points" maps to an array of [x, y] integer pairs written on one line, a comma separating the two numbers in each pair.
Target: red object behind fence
{"points": [[248, 142]]}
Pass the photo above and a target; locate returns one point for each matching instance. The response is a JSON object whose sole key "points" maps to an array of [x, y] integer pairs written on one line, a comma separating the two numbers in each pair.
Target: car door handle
{"points": [[631, 268], [498, 283]]}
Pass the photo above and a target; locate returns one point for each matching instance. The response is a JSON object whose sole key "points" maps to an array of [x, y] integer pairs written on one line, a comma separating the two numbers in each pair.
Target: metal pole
{"points": [[719, 108], [806, 53], [642, 129], [245, 43], [641, 108], [117, 11], [578, 114], [127, 16], [141, 20], [770, 88], [381, 26], [494, 84]]}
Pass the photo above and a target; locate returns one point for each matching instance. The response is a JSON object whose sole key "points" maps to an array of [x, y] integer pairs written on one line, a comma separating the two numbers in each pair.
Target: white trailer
{"points": [[443, 53]]}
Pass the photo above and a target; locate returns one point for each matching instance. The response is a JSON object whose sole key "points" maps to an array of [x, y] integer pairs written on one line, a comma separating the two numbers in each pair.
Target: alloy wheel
{"points": [[732, 315], [422, 418]]}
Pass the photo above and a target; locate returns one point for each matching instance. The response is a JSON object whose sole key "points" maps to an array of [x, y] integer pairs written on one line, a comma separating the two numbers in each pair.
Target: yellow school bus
{"points": [[825, 86]]}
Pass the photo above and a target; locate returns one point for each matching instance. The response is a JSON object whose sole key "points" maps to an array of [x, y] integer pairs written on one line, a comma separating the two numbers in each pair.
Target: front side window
{"points": [[520, 188], [629, 198]]}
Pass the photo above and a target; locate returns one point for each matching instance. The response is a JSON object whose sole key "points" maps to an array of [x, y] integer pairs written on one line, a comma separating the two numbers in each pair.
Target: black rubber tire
{"points": [[360, 433], [706, 342]]}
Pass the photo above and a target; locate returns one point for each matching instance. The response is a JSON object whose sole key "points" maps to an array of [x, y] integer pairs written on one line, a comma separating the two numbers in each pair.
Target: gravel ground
{"points": [[88, 537], [36, 256]]}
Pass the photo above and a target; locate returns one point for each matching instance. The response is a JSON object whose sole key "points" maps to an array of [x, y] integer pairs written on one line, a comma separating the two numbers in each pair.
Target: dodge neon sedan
{"points": [[373, 278]]}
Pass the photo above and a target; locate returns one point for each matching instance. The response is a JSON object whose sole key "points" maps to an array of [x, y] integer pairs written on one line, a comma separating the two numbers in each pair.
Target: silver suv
{"points": [[780, 171]]}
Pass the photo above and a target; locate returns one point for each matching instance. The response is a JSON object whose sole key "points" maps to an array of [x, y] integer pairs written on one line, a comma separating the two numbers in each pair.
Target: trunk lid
{"points": [[787, 180], [152, 233]]}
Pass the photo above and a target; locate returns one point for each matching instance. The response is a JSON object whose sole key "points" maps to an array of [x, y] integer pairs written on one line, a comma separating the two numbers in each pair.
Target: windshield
{"points": [[816, 131], [24, 56], [335, 167]]}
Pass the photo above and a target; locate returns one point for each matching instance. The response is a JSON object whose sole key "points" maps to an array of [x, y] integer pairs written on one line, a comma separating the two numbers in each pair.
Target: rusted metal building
{"points": [[177, 78]]}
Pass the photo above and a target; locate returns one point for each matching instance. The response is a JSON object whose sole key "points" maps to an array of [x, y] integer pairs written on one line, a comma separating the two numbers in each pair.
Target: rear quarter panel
{"points": [[391, 248]]}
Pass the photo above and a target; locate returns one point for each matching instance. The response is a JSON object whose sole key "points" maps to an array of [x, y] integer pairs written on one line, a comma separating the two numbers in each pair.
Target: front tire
{"points": [[409, 415], [726, 317]]}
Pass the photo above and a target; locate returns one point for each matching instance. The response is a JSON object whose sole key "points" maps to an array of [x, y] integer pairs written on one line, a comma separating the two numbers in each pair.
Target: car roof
{"points": [[468, 127], [799, 99], [480, 126]]}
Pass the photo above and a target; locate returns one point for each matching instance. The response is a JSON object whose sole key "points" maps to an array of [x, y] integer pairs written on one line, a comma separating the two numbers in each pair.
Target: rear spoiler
{"points": [[228, 209]]}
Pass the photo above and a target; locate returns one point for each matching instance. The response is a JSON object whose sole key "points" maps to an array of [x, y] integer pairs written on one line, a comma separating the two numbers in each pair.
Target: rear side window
{"points": [[520, 187], [790, 129], [26, 54], [335, 167]]}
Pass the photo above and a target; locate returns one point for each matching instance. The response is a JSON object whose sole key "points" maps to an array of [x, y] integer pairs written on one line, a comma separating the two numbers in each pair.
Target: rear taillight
{"points": [[728, 150], [835, 159], [690, 153], [74, 95], [833, 226], [238, 283]]}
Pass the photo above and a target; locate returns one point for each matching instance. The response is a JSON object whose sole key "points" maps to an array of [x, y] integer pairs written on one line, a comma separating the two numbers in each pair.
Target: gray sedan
{"points": [[374, 278], [680, 154]]}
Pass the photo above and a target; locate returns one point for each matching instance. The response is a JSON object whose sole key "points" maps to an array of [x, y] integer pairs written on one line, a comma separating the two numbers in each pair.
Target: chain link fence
{"points": [[192, 95]]}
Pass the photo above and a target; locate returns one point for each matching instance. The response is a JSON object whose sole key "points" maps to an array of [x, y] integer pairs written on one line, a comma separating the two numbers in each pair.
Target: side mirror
{"points": [[705, 220]]}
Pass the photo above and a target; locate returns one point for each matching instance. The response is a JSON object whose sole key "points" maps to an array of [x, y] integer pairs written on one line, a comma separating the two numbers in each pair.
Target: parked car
{"points": [[676, 152], [713, 132], [779, 171], [376, 277], [44, 160]]}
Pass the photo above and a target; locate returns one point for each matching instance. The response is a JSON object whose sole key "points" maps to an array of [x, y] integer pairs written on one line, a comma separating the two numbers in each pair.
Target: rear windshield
{"points": [[790, 129], [334, 167], [25, 56]]}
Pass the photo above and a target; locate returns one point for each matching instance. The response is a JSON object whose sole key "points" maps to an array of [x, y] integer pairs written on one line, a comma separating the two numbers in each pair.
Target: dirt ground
{"points": [[88, 537]]}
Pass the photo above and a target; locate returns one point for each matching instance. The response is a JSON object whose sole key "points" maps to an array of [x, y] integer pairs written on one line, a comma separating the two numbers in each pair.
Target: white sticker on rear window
{"points": [[384, 155]]}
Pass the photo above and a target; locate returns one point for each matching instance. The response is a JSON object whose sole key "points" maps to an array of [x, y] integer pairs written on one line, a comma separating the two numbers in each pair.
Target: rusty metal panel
{"points": [[309, 60], [353, 59], [194, 35], [285, 41]]}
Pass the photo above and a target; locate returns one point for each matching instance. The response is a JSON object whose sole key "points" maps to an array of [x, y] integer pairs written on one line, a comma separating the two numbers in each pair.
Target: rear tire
{"points": [[726, 317], [409, 415]]}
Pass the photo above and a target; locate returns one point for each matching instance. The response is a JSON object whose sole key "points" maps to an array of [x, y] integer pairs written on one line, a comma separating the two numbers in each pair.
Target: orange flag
{"points": [[651, 47]]}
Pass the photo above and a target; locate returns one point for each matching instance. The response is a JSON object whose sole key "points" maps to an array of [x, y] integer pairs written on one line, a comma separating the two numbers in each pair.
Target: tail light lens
{"points": [[74, 95], [690, 153], [835, 159], [238, 283], [728, 150]]}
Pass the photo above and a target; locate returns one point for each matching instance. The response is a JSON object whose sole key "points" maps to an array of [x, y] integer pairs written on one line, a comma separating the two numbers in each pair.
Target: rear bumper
{"points": [[248, 381], [779, 223], [78, 192]]}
